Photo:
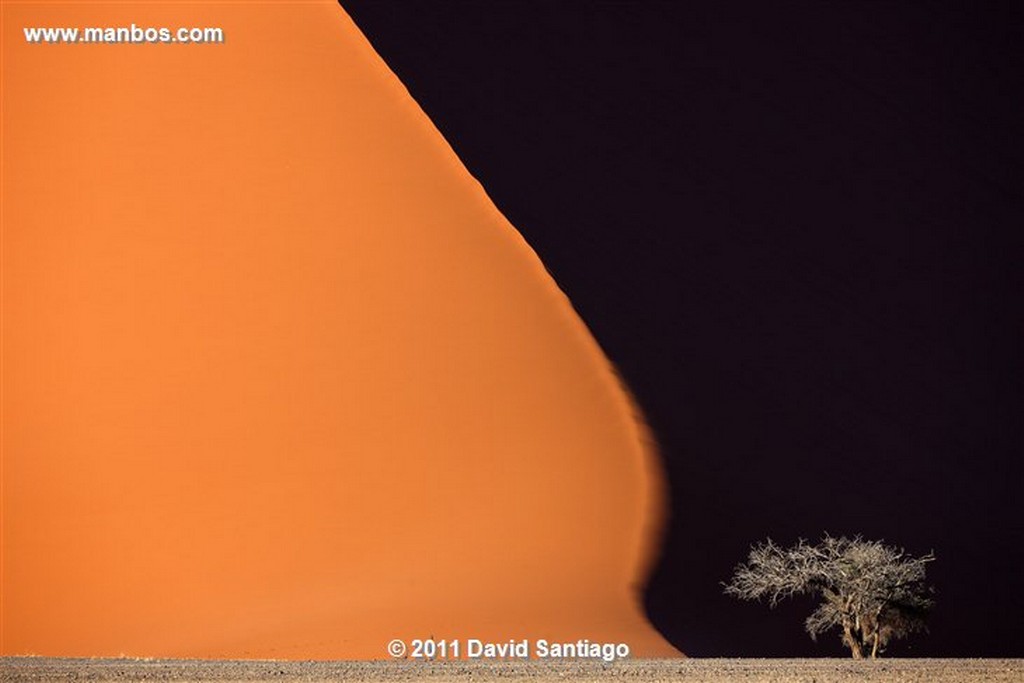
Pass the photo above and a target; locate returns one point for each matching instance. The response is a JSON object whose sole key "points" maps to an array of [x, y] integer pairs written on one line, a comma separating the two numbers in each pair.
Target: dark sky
{"points": [[795, 228]]}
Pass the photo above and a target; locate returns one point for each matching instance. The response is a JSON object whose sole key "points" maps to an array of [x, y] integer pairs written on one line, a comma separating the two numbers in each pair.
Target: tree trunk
{"points": [[852, 642], [874, 646]]}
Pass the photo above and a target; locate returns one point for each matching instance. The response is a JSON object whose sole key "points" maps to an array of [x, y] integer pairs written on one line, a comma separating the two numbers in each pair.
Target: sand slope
{"points": [[279, 380]]}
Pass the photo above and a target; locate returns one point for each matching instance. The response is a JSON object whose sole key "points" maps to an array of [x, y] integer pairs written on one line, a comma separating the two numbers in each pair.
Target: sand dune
{"points": [[279, 379]]}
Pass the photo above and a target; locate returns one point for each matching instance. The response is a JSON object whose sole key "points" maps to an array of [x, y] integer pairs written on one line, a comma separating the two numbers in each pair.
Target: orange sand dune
{"points": [[279, 380]]}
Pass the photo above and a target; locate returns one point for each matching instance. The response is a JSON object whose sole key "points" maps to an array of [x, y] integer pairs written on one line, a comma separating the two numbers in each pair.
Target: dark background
{"points": [[795, 229]]}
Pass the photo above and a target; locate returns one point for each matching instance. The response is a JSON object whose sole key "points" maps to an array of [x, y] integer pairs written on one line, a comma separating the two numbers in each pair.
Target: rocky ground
{"points": [[40, 669]]}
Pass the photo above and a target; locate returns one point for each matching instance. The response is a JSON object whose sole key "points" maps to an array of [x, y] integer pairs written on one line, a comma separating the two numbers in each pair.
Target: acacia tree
{"points": [[873, 592]]}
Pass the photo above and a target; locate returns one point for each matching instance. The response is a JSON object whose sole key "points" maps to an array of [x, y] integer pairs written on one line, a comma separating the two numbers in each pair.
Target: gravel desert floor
{"points": [[40, 669]]}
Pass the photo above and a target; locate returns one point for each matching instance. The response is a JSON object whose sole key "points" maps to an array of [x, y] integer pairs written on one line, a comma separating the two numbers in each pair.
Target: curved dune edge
{"points": [[279, 379]]}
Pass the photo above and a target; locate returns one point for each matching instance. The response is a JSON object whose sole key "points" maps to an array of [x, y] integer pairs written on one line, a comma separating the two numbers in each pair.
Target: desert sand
{"points": [[681, 671], [280, 381]]}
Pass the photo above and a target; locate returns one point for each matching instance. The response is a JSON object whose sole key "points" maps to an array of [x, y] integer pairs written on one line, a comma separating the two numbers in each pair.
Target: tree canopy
{"points": [[873, 592]]}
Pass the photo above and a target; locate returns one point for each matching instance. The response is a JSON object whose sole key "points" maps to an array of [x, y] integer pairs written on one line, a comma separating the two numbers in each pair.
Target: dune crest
{"points": [[279, 380]]}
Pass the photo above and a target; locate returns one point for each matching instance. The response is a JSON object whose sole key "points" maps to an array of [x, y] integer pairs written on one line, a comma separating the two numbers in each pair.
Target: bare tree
{"points": [[875, 593]]}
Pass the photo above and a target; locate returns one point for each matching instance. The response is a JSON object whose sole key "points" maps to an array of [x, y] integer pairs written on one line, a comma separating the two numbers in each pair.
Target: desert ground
{"points": [[39, 669]]}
